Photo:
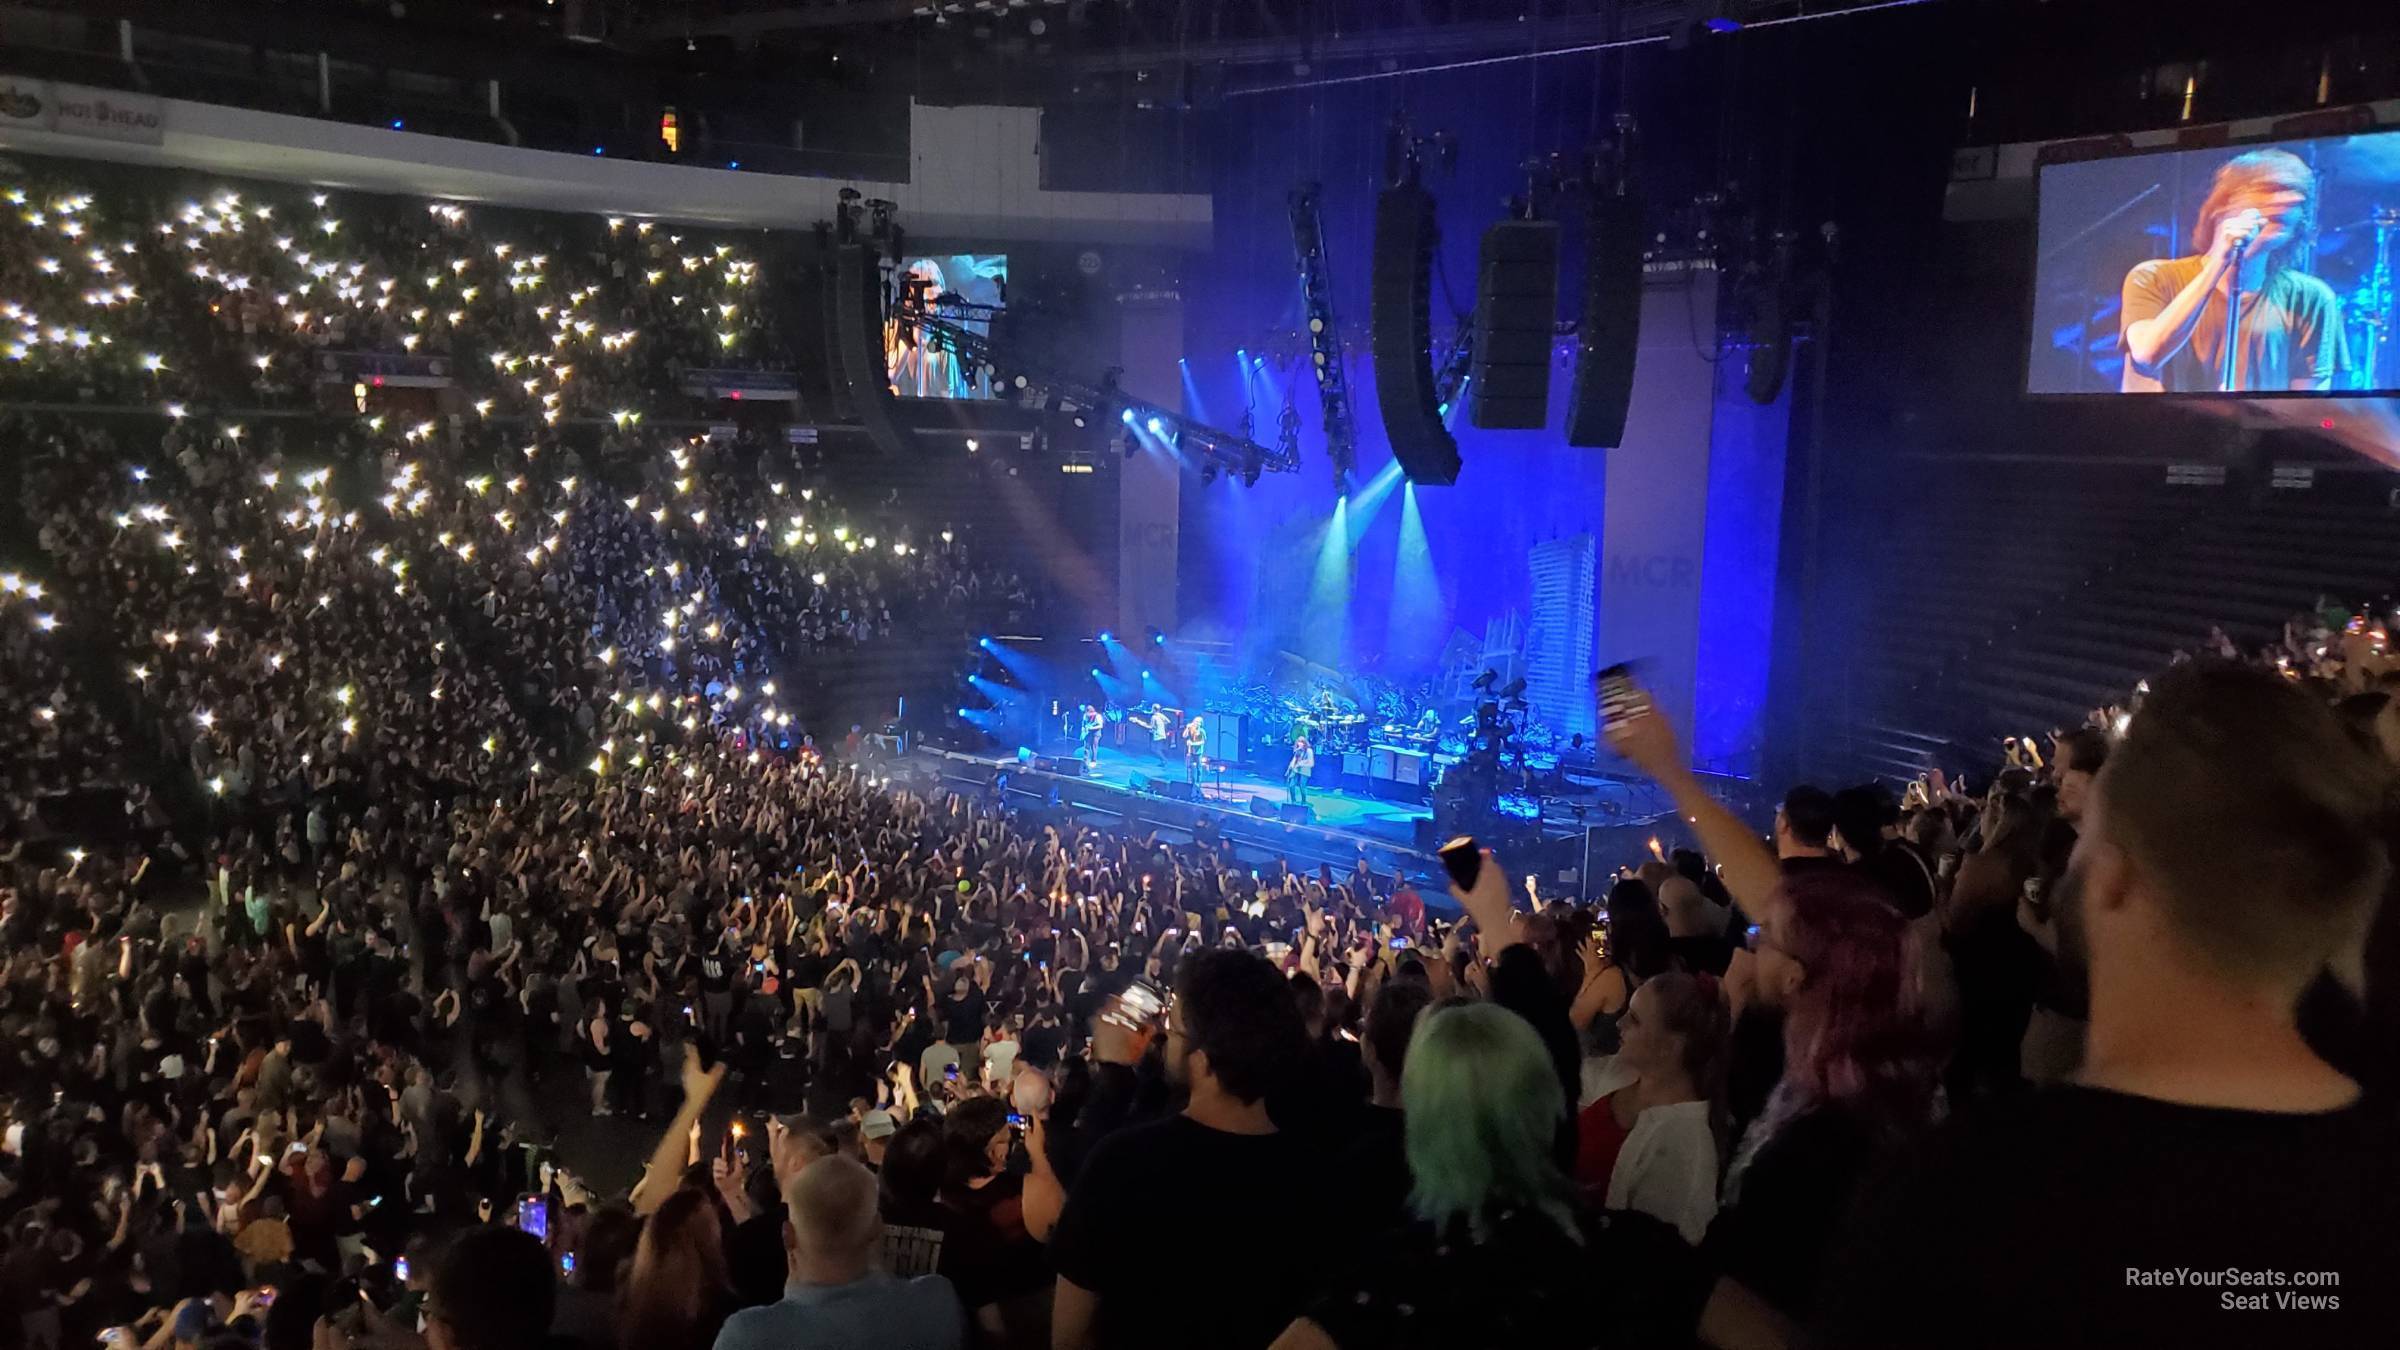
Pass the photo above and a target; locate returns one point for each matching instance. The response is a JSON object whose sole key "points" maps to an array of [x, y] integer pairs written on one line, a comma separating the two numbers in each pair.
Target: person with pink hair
{"points": [[1858, 1077]]}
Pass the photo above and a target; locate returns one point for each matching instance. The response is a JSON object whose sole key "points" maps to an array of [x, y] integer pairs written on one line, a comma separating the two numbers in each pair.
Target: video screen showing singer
{"points": [[2288, 336]]}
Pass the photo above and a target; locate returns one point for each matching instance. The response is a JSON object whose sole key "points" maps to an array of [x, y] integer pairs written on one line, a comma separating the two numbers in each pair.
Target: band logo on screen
{"points": [[967, 289], [2141, 258]]}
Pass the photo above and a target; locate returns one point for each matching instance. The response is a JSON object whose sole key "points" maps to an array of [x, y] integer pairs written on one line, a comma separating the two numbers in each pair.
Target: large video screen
{"points": [[2141, 257], [964, 288]]}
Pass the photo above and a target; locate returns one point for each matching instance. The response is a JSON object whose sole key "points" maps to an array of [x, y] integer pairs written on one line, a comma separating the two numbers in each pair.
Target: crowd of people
{"points": [[447, 796]]}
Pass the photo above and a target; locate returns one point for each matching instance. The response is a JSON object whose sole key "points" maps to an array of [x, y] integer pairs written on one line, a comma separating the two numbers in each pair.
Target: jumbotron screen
{"points": [[2140, 258], [964, 288]]}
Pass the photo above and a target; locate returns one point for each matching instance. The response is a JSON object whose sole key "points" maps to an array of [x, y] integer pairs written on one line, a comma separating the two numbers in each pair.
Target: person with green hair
{"points": [[1498, 1249]]}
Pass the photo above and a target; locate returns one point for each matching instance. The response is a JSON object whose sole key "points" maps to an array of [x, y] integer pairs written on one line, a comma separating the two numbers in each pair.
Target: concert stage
{"points": [[1587, 830], [1245, 807]]}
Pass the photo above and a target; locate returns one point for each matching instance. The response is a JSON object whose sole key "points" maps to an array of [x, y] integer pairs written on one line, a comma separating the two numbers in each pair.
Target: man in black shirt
{"points": [[1159, 1206], [2208, 1180]]}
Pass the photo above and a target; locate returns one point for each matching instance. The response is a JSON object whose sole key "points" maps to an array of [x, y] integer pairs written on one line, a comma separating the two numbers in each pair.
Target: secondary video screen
{"points": [[966, 289], [2141, 257]]}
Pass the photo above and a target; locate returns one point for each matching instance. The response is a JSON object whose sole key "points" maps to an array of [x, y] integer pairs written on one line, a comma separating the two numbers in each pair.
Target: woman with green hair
{"points": [[1498, 1249]]}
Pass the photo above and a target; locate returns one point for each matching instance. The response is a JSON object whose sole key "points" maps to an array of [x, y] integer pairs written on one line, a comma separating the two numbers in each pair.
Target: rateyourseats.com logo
{"points": [[2248, 1290]]}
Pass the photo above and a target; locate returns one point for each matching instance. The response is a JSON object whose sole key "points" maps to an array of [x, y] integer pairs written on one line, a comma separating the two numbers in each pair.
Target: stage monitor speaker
{"points": [[859, 360], [1516, 315], [1176, 789], [1297, 813], [1065, 766], [1400, 335], [1141, 782], [1612, 320], [1262, 808]]}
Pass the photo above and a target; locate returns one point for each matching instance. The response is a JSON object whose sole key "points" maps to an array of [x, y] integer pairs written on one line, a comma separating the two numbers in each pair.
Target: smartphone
{"points": [[566, 1263], [950, 1072], [1621, 700], [533, 1216], [400, 1268], [1016, 1119], [266, 1296], [298, 1146], [1750, 937], [1462, 858], [2037, 896], [1400, 944]]}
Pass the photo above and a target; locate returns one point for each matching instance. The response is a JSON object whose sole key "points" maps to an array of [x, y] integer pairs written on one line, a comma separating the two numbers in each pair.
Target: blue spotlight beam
{"points": [[1222, 448]]}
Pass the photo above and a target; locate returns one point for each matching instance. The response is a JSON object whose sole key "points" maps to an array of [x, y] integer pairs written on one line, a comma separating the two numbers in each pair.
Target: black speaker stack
{"points": [[1612, 319], [858, 324], [1401, 336], [1516, 313]]}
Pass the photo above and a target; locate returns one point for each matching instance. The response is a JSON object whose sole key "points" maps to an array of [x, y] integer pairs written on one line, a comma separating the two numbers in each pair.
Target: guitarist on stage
{"points": [[1194, 737], [1304, 763]]}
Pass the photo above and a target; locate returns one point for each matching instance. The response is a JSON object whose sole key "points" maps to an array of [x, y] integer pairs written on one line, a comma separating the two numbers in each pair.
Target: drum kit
{"points": [[2372, 306]]}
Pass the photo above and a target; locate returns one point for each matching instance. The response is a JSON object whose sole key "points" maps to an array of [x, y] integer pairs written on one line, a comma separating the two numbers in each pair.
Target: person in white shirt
{"points": [[1648, 1135]]}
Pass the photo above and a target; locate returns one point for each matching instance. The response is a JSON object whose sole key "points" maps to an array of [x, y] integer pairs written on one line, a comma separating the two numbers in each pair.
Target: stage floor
{"points": [[1235, 788]]}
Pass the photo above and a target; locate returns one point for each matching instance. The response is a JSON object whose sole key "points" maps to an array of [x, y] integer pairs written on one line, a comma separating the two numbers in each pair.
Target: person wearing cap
{"points": [[875, 1131]]}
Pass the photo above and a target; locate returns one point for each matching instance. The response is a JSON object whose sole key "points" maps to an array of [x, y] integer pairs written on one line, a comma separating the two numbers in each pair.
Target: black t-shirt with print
{"points": [[1187, 1234], [2080, 1217]]}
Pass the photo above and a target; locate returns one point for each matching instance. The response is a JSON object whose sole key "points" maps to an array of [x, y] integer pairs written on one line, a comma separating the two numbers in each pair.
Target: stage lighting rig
{"points": [[1324, 333], [1217, 450]]}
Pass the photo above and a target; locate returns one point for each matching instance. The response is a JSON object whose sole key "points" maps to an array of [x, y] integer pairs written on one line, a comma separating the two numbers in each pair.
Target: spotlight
{"points": [[1127, 415], [1145, 674], [1106, 636], [1095, 672], [962, 712], [985, 643], [1157, 427]]}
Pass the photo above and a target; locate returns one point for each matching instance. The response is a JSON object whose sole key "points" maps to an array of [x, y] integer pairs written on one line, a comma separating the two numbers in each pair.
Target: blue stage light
{"points": [[1145, 674], [397, 124], [1095, 672], [599, 149], [1158, 639], [1106, 636], [1157, 427], [1128, 416], [985, 643], [962, 712]]}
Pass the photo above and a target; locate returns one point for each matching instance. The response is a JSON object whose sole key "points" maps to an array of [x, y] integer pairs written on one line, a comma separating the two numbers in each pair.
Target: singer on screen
{"points": [[2289, 336]]}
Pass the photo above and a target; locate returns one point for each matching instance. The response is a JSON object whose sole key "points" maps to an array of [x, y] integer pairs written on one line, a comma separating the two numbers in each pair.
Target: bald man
{"points": [[837, 1299]]}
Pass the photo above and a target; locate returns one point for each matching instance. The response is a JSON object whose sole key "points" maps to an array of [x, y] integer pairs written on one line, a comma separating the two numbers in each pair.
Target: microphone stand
{"points": [[2233, 317]]}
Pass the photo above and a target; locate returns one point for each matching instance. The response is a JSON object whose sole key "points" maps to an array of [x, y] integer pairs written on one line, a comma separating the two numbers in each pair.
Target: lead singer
{"points": [[2171, 327]]}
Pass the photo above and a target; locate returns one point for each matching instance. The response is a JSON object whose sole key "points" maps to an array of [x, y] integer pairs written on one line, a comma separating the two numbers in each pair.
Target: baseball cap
{"points": [[877, 1125]]}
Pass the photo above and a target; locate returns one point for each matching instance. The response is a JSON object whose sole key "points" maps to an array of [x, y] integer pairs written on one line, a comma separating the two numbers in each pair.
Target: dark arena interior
{"points": [[1127, 674]]}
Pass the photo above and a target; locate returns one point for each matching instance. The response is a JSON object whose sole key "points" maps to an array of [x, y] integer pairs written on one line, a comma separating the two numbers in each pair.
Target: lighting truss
{"points": [[1324, 333]]}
